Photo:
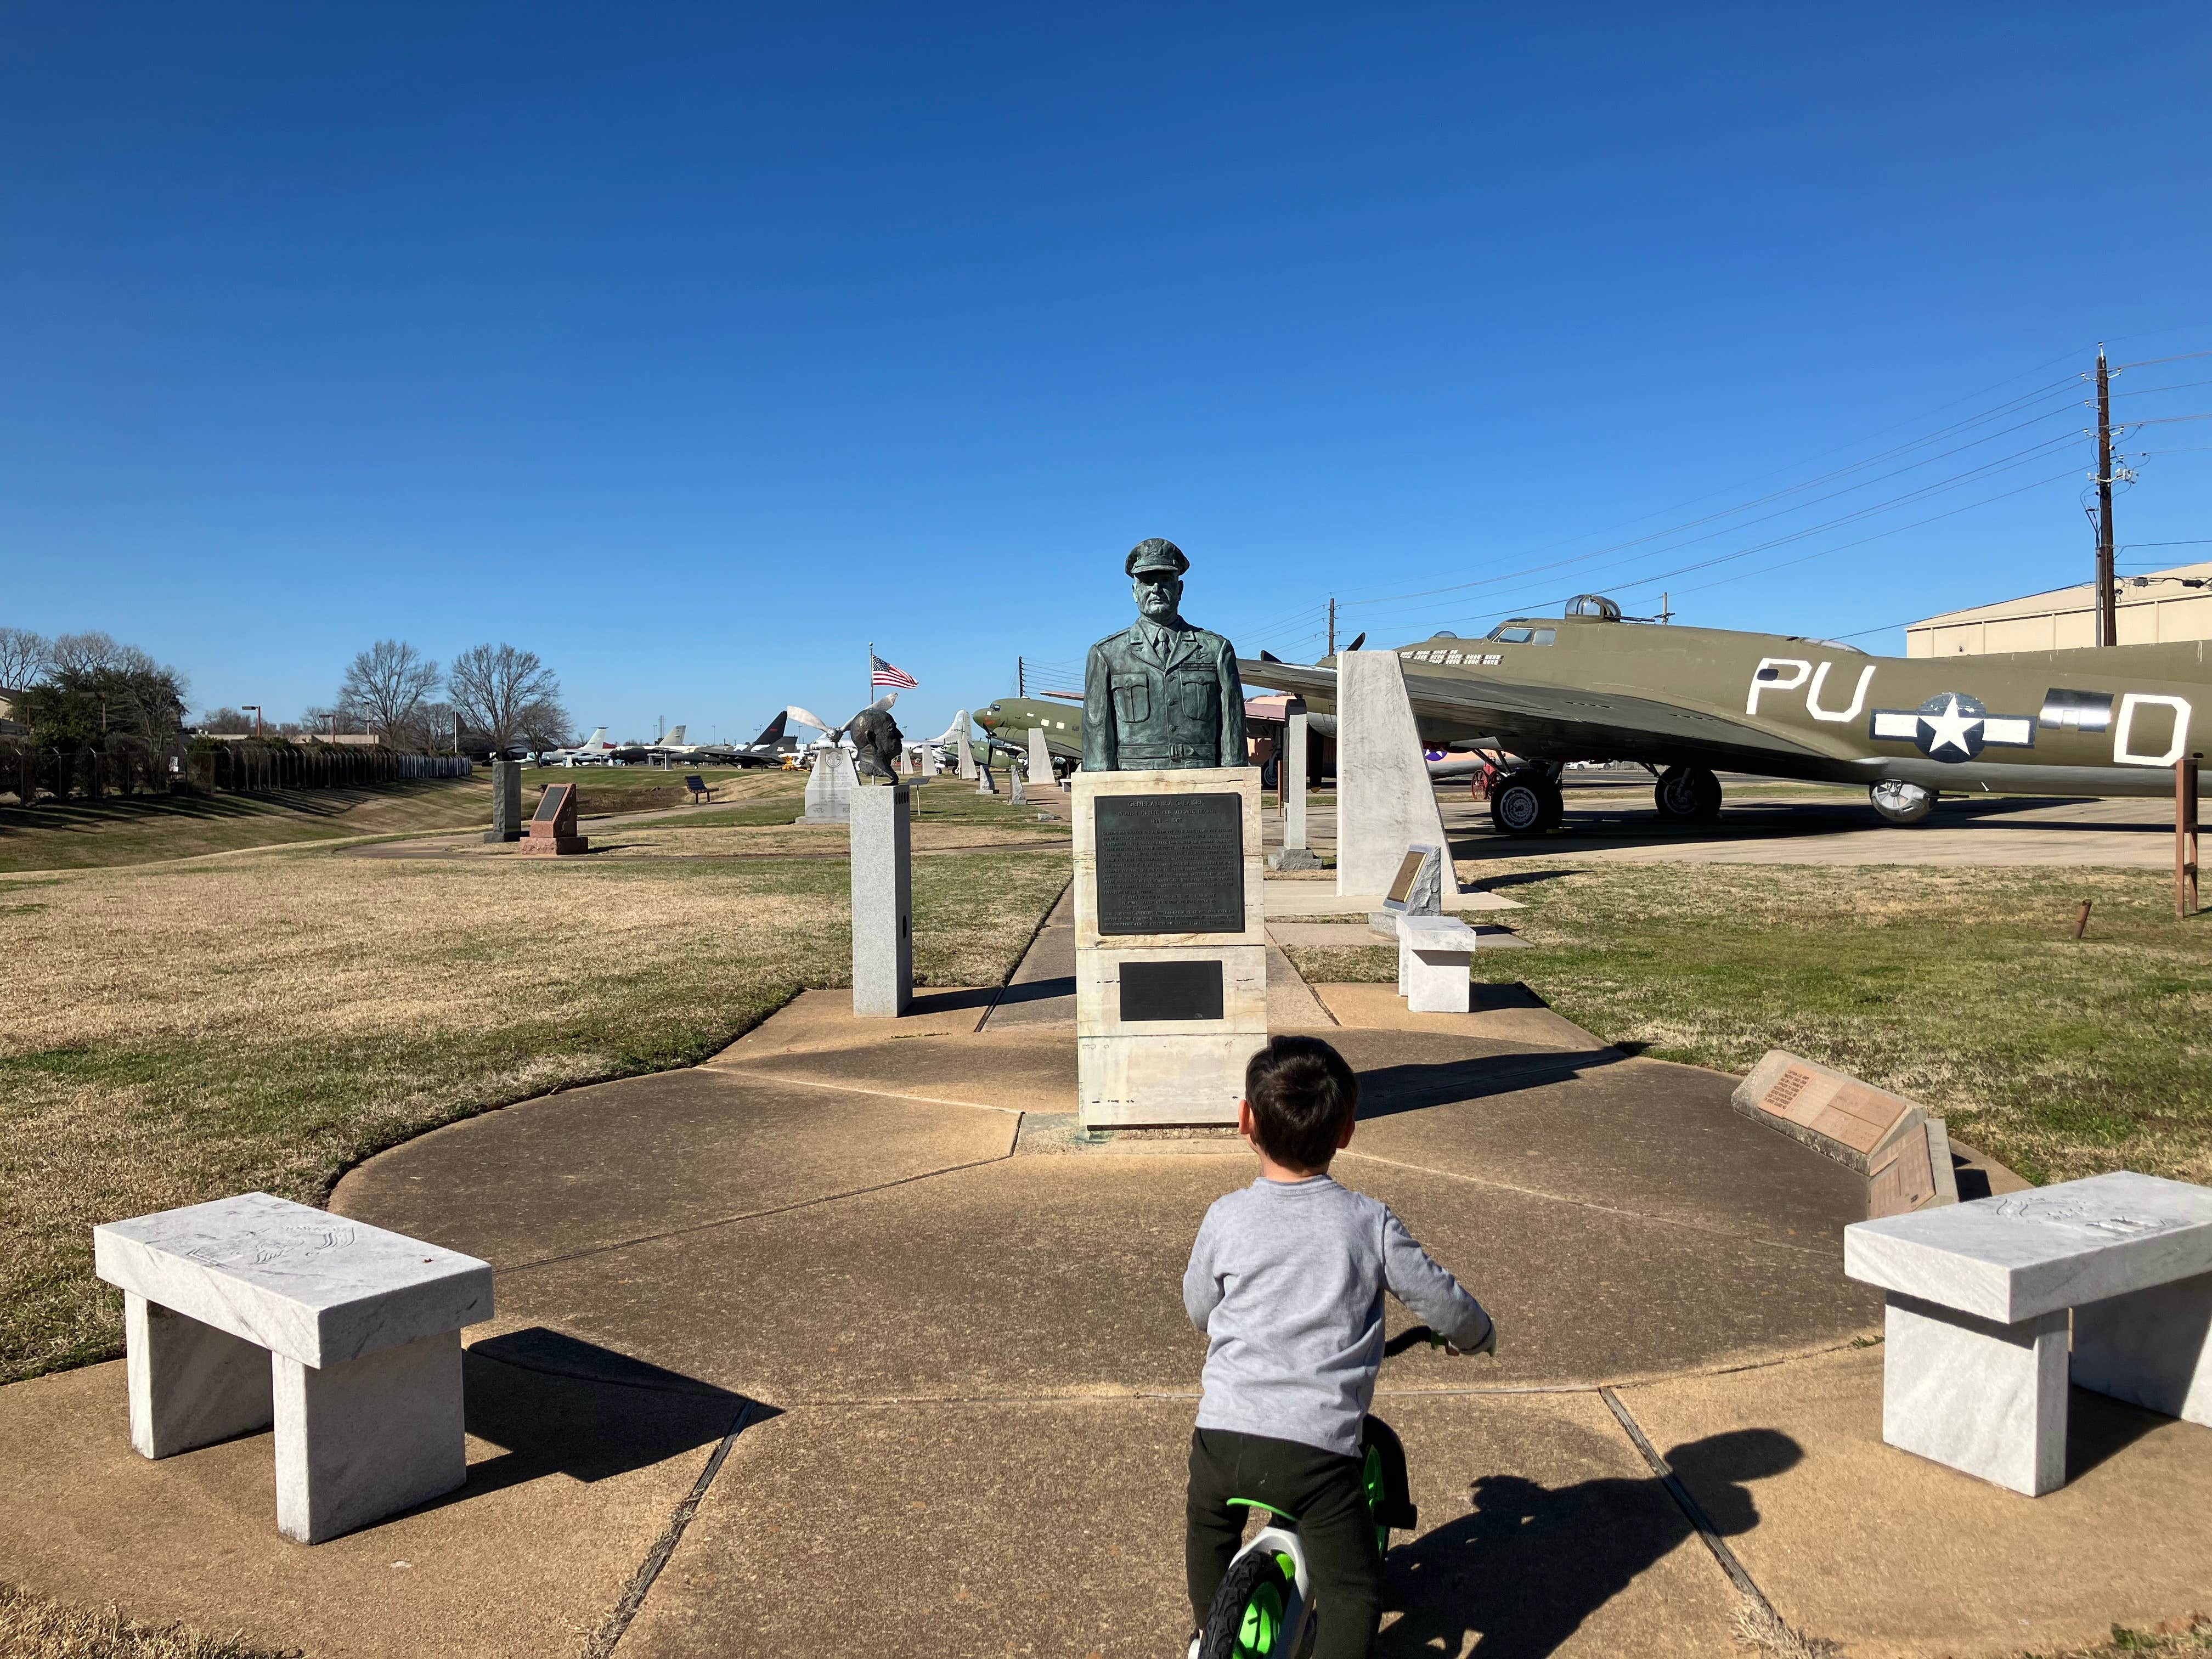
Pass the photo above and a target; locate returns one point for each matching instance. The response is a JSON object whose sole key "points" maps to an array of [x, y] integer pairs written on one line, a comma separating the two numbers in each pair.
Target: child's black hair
{"points": [[1301, 1094]]}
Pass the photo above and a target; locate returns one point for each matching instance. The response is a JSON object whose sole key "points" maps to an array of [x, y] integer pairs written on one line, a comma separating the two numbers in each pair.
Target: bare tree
{"points": [[24, 657], [226, 720], [385, 685], [509, 696]]}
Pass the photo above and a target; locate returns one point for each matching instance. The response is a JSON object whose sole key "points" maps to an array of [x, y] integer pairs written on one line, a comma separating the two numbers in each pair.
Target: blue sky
{"points": [[694, 348]]}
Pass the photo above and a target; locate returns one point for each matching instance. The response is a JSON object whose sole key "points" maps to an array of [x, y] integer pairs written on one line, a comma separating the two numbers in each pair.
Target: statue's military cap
{"points": [[1155, 553]]}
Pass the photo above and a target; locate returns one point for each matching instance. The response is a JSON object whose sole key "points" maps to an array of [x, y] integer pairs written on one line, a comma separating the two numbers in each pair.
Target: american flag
{"points": [[884, 674]]}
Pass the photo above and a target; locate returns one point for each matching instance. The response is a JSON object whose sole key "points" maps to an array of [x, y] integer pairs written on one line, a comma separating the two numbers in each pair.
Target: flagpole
{"points": [[870, 697]]}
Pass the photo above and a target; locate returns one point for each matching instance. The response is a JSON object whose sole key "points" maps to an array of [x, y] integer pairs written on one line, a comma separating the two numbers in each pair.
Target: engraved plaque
{"points": [[1840, 1107], [1404, 883], [1171, 990], [1170, 864], [556, 797], [1903, 1179]]}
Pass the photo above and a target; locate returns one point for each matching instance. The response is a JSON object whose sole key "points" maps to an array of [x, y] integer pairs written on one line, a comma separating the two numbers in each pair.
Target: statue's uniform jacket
{"points": [[1156, 698]]}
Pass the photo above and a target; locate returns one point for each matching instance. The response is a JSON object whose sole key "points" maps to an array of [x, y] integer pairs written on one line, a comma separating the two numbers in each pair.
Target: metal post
{"points": [[2184, 837], [2108, 607]]}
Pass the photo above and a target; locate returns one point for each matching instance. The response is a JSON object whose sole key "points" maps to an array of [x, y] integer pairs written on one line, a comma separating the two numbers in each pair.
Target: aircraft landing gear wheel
{"points": [[1900, 802], [1520, 805], [1688, 794], [1555, 804]]}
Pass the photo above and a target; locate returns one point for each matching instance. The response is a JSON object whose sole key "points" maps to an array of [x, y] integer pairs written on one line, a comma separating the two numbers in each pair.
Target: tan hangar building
{"points": [[2153, 609]]}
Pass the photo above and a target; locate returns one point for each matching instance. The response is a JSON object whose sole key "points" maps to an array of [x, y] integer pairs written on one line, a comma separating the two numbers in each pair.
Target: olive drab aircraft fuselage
{"points": [[1008, 721], [1686, 702]]}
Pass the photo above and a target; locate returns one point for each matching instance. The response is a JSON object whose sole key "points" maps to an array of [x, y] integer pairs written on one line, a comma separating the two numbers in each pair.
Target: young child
{"points": [[1286, 1280]]}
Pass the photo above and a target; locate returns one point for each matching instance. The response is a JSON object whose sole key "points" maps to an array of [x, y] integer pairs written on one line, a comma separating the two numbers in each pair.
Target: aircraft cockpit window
{"points": [[1593, 605], [1521, 634]]}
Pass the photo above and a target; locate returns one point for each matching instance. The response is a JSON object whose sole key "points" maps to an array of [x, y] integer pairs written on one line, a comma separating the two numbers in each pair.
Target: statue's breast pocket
{"points": [[1197, 701], [1133, 698]]}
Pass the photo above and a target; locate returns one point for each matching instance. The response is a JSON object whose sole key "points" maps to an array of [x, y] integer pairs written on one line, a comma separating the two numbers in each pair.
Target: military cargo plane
{"points": [[1684, 702], [1008, 722]]}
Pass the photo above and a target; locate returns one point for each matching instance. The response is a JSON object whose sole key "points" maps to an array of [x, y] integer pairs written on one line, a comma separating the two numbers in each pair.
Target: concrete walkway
{"points": [[817, 1345]]}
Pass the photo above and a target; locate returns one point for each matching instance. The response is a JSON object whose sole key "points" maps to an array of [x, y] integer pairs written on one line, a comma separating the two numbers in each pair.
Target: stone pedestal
{"points": [[883, 902], [1171, 954], [830, 783], [553, 826], [1290, 790], [1385, 802], [505, 801]]}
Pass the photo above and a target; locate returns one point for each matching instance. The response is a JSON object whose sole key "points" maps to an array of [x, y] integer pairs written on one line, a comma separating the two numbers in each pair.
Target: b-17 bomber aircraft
{"points": [[1684, 702]]}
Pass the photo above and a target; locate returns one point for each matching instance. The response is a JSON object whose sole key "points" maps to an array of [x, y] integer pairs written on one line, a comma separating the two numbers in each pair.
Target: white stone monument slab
{"points": [[1385, 802], [929, 760], [1290, 768], [1171, 969], [1975, 1363], [963, 752], [1017, 792], [829, 785], [357, 1330], [985, 783], [883, 902]]}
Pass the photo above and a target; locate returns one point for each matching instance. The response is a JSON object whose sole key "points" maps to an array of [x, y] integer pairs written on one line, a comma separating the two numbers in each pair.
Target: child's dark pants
{"points": [[1323, 1490]]}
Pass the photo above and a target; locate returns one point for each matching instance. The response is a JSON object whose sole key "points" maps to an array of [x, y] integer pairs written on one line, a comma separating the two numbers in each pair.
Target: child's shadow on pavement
{"points": [[1532, 1562]]}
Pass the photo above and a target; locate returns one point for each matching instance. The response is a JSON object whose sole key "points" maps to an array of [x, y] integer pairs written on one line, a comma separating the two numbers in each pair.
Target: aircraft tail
{"points": [[675, 738], [598, 737], [773, 731]]}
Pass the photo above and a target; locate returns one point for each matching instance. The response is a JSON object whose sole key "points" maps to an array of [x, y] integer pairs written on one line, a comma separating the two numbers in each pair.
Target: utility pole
{"points": [[1663, 611], [2108, 607], [1331, 624]]}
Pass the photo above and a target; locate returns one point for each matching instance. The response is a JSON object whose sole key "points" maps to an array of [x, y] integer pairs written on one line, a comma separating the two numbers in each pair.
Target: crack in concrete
{"points": [[1587, 1204]]}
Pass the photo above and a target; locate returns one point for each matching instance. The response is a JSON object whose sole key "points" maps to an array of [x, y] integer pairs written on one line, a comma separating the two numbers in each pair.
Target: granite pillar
{"points": [[883, 902], [1291, 791]]}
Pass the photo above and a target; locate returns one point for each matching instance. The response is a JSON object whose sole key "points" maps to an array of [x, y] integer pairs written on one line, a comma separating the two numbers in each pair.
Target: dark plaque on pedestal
{"points": [[1171, 990], [1170, 864]]}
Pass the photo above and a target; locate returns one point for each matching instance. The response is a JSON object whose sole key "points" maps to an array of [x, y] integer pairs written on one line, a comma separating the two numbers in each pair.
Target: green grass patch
{"points": [[1960, 988], [187, 1032]]}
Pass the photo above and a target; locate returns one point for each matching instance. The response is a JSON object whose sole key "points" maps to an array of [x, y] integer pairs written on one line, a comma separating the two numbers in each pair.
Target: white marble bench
{"points": [[254, 1309], [1434, 954], [1976, 1363]]}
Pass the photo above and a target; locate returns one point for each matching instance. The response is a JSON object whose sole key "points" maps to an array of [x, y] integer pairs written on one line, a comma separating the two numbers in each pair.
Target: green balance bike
{"points": [[1264, 1608]]}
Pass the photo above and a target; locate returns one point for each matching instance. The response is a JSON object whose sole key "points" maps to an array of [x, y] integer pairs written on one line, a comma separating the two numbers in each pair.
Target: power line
{"points": [[1995, 412]]}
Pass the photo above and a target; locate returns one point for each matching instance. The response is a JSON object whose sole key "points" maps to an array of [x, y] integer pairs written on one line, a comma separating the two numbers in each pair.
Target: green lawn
{"points": [[1962, 988], [181, 1032]]}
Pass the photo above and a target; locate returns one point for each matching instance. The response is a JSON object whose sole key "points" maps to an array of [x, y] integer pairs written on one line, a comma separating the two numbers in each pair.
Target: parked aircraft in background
{"points": [[1008, 721], [594, 750], [1681, 702]]}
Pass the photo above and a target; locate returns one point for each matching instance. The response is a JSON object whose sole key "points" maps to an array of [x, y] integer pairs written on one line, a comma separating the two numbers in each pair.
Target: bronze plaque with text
{"points": [[1170, 864]]}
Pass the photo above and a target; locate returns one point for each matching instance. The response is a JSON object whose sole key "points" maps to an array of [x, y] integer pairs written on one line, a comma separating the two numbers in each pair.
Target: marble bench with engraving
{"points": [[1976, 1356], [253, 1310]]}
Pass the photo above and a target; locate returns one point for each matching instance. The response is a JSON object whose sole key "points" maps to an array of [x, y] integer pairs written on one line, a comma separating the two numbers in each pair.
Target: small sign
{"points": [[1171, 990], [557, 795]]}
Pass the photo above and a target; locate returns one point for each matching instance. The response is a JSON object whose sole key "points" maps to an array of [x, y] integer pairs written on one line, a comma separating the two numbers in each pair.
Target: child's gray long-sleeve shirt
{"points": [[1286, 1280]]}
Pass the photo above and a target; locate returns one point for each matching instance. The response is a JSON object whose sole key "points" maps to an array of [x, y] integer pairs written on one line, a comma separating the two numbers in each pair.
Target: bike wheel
{"points": [[1251, 1615]]}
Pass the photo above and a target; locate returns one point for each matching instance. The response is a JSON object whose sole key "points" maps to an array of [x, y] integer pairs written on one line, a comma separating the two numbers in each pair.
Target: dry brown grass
{"points": [[32, 1627], [174, 1034]]}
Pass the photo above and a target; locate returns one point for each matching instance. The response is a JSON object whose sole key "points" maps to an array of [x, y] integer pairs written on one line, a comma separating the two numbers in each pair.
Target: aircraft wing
{"points": [[1556, 722]]}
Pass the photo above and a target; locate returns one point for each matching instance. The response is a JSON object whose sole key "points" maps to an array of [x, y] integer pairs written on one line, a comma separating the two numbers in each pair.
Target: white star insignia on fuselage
{"points": [[1949, 729]]}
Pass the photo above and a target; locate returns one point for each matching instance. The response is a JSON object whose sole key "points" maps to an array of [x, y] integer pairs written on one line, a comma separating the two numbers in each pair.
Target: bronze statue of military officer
{"points": [[1161, 694]]}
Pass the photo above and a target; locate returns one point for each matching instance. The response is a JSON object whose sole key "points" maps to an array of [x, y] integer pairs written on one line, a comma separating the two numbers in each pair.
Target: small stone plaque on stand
{"points": [[1172, 953], [1903, 1150], [553, 826]]}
